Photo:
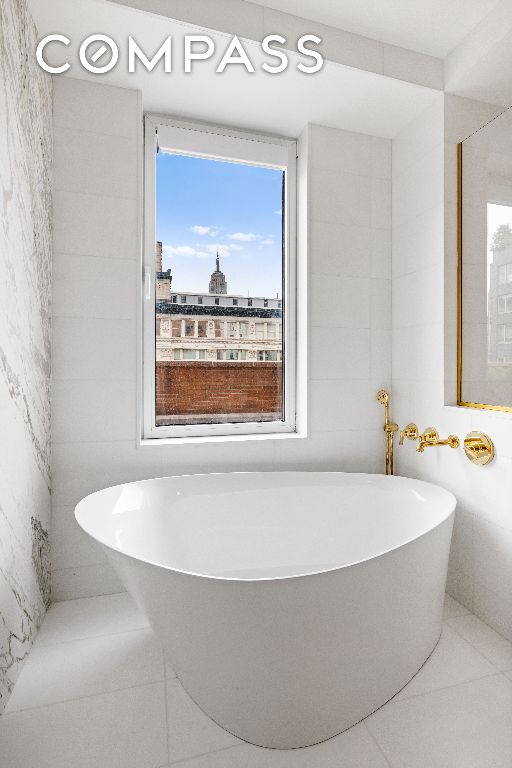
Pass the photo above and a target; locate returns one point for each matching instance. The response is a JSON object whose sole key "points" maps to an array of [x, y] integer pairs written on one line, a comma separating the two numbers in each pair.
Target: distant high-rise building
{"points": [[218, 282], [163, 279]]}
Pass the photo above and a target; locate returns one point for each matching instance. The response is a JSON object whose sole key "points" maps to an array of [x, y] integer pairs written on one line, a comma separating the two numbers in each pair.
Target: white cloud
{"points": [[246, 237], [268, 241], [184, 250], [201, 251], [224, 249], [279, 212], [198, 229]]}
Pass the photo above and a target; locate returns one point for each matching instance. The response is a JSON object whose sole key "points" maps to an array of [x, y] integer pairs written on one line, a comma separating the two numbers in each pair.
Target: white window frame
{"points": [[217, 142]]}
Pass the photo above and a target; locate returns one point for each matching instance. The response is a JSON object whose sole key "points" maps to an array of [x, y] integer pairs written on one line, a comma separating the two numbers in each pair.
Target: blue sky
{"points": [[205, 204]]}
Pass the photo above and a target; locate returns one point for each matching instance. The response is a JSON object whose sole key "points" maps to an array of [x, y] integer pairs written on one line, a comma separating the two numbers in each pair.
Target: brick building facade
{"points": [[218, 356]]}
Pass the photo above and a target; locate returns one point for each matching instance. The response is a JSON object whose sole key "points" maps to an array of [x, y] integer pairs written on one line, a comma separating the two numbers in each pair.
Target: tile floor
{"points": [[95, 693]]}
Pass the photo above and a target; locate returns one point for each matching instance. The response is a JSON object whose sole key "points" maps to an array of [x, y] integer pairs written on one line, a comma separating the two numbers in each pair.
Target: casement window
{"points": [[220, 228]]}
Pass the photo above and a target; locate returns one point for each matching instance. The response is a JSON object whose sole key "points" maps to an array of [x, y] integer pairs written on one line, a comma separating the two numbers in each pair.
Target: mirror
{"points": [[484, 370]]}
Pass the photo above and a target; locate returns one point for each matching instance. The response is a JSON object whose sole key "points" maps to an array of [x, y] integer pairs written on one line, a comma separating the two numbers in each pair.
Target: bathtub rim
{"points": [[450, 499]]}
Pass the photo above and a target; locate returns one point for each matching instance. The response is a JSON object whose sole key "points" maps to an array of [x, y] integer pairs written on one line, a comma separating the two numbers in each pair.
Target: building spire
{"points": [[218, 282]]}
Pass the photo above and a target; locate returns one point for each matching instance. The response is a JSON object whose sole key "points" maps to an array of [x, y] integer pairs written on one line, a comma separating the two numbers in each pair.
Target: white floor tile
{"points": [[466, 726], [354, 748], [191, 732], [453, 661], [125, 729], [90, 617], [65, 671], [492, 645], [452, 608]]}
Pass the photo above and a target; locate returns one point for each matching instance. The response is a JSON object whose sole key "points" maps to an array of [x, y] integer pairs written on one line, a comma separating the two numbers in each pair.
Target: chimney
{"points": [[159, 256]]}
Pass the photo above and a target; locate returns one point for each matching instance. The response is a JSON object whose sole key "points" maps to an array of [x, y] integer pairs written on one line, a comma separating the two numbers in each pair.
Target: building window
{"points": [[190, 327], [252, 176], [219, 329], [176, 328]]}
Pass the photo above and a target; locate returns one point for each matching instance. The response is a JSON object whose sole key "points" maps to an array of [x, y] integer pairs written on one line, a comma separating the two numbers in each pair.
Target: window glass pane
{"points": [[222, 242], [176, 328], [219, 329]]}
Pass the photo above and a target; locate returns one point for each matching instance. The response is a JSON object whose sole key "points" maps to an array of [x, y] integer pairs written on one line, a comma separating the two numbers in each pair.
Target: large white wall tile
{"points": [[338, 249], [71, 546], [96, 107], [85, 581], [340, 302], [93, 348], [343, 353], [94, 163], [89, 410], [82, 468], [341, 197], [111, 225], [84, 286]]}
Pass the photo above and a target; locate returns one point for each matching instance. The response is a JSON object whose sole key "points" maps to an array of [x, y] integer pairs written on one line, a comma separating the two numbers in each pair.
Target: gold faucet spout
{"points": [[430, 439]]}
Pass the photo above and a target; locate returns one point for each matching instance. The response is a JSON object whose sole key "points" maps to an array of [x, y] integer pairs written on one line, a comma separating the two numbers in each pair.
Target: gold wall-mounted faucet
{"points": [[410, 432], [389, 428], [430, 438]]}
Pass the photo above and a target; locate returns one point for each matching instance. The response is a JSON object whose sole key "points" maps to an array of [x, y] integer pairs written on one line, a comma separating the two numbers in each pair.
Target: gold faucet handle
{"points": [[479, 448], [410, 432]]}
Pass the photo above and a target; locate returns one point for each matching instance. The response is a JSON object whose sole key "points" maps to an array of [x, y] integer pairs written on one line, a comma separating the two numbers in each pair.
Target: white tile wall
{"points": [[95, 306], [424, 338]]}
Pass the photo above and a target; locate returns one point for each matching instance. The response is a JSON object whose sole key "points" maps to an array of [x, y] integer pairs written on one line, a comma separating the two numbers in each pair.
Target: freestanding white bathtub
{"points": [[291, 604]]}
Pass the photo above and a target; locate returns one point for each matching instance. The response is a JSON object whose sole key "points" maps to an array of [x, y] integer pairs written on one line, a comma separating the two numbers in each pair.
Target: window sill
{"points": [[221, 438]]}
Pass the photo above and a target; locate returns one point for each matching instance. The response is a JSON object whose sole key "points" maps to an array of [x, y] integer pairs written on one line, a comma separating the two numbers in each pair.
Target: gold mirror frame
{"points": [[460, 401]]}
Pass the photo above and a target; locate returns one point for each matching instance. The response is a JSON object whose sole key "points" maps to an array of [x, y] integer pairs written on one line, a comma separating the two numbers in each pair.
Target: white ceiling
{"points": [[434, 27], [338, 96]]}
